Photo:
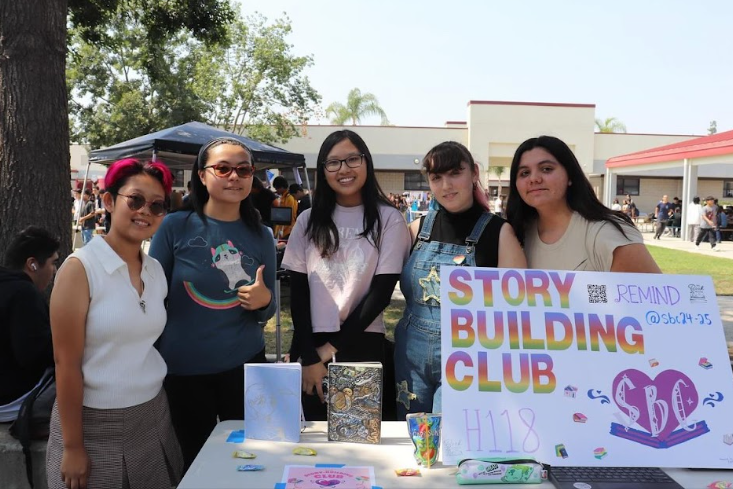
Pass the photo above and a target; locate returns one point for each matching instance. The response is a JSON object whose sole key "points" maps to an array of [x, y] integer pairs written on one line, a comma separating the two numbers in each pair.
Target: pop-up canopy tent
{"points": [[178, 147]]}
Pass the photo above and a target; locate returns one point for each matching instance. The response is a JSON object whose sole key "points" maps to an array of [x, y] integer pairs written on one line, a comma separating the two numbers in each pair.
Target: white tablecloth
{"points": [[215, 468]]}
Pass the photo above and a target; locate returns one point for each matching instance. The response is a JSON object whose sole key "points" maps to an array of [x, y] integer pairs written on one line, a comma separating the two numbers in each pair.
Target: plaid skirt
{"points": [[132, 447]]}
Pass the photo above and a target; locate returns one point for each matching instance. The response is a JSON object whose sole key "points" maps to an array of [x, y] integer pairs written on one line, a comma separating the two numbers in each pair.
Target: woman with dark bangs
{"points": [[220, 263], [110, 426], [344, 255], [459, 230]]}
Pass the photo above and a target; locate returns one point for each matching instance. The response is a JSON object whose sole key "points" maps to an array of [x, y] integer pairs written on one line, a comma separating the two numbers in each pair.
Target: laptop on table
{"points": [[611, 478]]}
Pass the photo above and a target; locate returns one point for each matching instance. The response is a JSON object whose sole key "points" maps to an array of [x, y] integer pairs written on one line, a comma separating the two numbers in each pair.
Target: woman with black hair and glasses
{"points": [[220, 263], [345, 255]]}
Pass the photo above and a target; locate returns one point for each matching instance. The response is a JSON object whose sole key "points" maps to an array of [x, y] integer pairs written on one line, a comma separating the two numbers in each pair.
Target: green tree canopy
{"points": [[34, 111], [247, 81], [610, 124], [358, 105]]}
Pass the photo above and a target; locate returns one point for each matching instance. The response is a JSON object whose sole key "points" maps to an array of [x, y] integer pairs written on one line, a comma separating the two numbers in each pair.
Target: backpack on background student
{"points": [[34, 417]]}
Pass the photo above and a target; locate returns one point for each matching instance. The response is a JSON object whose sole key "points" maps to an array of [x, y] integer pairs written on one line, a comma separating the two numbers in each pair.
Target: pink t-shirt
{"points": [[339, 283]]}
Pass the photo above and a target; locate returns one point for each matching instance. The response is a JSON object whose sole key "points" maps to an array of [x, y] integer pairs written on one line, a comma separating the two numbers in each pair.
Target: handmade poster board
{"points": [[583, 369]]}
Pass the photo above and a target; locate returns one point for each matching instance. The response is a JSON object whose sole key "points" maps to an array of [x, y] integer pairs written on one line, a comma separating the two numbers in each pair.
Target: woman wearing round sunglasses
{"points": [[220, 263], [111, 425], [345, 255]]}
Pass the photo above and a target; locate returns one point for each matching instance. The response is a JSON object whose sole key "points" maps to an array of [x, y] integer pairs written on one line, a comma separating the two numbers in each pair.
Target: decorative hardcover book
{"points": [[272, 401], [355, 402]]}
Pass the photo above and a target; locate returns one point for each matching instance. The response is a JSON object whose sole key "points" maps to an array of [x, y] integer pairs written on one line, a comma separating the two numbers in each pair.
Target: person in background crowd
{"points": [[88, 218], [459, 229], [110, 425], [220, 263], [25, 331], [76, 206], [616, 206], [708, 223], [562, 224], [661, 214], [344, 256], [676, 222], [693, 218], [187, 195], [284, 199], [719, 216], [262, 199], [499, 206], [676, 202], [633, 210], [304, 199]]}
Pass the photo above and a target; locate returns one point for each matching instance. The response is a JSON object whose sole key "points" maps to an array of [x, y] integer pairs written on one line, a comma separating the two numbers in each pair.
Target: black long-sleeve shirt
{"points": [[25, 335], [373, 303]]}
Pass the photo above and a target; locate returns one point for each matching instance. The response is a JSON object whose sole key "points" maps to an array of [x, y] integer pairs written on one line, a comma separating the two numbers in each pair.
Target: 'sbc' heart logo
{"points": [[328, 483], [655, 404]]}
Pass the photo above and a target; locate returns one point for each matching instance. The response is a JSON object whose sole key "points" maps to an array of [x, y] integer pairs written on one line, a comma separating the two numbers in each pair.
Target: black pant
{"points": [[371, 347], [661, 225], [706, 233], [198, 401]]}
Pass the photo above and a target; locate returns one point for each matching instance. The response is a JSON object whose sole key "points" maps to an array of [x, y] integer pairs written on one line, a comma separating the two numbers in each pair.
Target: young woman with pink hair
{"points": [[110, 426]]}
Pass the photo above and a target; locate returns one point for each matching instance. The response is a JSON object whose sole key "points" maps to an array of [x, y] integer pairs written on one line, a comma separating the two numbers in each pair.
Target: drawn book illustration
{"points": [[272, 401], [355, 402]]}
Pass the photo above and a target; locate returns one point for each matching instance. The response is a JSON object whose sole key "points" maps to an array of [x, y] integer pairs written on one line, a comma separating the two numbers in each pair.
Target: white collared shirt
{"points": [[120, 365]]}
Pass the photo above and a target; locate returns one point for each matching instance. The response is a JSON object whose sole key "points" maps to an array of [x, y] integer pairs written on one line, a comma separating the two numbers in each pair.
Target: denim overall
{"points": [[417, 336]]}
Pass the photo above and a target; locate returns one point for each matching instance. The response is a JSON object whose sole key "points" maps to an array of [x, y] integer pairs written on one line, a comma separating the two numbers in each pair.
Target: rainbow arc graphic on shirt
{"points": [[202, 300]]}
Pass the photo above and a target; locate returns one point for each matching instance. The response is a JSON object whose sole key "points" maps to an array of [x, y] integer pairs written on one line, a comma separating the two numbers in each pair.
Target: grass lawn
{"points": [[685, 263]]}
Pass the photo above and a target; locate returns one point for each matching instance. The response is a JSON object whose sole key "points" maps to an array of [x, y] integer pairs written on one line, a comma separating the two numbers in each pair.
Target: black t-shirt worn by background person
{"points": [[455, 228]]}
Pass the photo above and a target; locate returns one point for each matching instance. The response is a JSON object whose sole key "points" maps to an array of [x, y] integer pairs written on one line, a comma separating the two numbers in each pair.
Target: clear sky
{"points": [[659, 66]]}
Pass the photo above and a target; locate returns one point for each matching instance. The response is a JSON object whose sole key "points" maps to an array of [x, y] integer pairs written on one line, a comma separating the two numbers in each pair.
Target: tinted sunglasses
{"points": [[223, 171], [136, 202]]}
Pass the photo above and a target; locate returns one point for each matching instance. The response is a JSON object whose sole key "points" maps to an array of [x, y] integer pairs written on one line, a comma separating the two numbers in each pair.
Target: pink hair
{"points": [[480, 196], [123, 169]]}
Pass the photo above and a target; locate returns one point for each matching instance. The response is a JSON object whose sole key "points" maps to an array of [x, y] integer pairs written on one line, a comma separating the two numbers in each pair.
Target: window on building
{"points": [[627, 185], [727, 188], [415, 180]]}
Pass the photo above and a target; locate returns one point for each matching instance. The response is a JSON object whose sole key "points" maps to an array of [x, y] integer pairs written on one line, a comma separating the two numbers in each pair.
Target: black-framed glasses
{"points": [[136, 202], [334, 164], [223, 171]]}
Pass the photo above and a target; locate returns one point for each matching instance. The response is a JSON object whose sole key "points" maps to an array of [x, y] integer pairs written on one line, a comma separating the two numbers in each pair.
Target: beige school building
{"points": [[492, 132]]}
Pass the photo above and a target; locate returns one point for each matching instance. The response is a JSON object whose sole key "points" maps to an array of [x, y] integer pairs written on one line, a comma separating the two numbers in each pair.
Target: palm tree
{"points": [[611, 124], [497, 171], [358, 105]]}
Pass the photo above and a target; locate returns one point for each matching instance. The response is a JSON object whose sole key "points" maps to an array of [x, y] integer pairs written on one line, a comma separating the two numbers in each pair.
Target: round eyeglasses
{"points": [[334, 164], [223, 171], [136, 202]]}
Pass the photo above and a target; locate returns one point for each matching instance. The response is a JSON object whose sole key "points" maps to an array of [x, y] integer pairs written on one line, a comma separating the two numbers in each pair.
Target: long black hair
{"points": [[321, 228], [580, 196], [200, 195]]}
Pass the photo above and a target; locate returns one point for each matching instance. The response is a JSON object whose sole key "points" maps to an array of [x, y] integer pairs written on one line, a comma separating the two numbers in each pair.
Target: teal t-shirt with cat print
{"points": [[207, 330]]}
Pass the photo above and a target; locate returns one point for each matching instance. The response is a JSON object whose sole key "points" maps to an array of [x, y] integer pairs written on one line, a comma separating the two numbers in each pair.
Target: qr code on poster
{"points": [[597, 294]]}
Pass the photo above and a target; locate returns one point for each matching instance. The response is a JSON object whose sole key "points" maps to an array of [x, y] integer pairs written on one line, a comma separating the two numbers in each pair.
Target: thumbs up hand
{"points": [[257, 295]]}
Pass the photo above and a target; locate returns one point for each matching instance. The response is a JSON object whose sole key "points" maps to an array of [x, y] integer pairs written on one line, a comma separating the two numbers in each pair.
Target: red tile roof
{"points": [[715, 145]]}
